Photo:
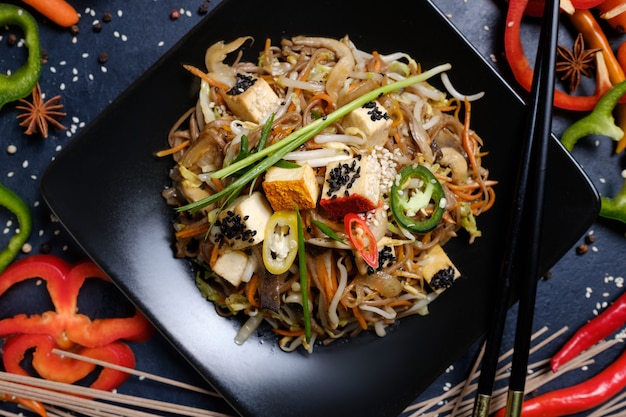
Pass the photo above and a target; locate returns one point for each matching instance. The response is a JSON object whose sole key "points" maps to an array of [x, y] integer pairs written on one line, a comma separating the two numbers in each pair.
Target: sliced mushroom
{"points": [[457, 163], [340, 72]]}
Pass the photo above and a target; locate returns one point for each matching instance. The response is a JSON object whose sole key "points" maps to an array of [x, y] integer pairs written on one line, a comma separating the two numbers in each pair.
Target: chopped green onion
{"points": [[327, 230], [304, 288]]}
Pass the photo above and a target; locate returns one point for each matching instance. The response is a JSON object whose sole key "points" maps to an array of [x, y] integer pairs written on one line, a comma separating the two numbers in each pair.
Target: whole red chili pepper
{"points": [[523, 71], [602, 326], [65, 327], [580, 397]]}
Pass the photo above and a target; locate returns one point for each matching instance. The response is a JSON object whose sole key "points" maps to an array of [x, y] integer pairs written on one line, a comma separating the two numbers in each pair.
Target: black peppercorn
{"points": [[103, 57]]}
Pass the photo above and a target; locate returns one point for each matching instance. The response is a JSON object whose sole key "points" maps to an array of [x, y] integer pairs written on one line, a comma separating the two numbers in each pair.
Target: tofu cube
{"points": [[437, 269], [285, 186], [351, 186], [243, 224], [373, 120], [252, 99], [231, 265]]}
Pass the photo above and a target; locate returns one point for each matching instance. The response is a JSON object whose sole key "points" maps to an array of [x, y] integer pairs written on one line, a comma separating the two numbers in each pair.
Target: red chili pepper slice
{"points": [[65, 327], [361, 238]]}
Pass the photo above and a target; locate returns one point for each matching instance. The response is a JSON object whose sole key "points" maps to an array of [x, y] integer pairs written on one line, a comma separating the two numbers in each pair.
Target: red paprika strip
{"points": [[535, 8], [578, 398], [601, 327], [65, 327], [523, 71]]}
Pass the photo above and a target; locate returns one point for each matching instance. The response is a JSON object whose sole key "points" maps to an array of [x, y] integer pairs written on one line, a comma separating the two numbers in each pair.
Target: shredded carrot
{"points": [[59, 11], [206, 77], [251, 289], [376, 61], [398, 303], [322, 276], [396, 116], [174, 149], [214, 253], [359, 317], [292, 333], [192, 231], [218, 183], [324, 97]]}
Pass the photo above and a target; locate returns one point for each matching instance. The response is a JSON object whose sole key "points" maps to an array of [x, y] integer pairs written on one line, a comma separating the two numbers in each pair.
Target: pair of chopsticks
{"points": [[525, 230]]}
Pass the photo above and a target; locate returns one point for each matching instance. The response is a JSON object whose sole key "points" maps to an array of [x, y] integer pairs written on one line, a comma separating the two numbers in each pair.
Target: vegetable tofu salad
{"points": [[316, 187]]}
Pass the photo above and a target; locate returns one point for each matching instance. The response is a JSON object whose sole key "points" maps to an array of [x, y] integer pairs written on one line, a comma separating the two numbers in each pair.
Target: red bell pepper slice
{"points": [[535, 8], [362, 238], [521, 68], [54, 367], [65, 327]]}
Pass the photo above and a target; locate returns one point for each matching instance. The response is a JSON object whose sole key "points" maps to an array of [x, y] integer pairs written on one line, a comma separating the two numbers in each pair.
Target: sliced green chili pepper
{"points": [[599, 122], [614, 208], [412, 192], [21, 83], [280, 245], [18, 207]]}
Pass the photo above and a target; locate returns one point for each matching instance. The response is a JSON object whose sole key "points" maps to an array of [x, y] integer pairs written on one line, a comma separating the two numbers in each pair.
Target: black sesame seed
{"points": [[243, 83], [443, 279]]}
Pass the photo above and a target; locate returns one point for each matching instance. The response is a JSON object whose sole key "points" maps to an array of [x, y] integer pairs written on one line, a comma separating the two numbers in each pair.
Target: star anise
{"points": [[573, 64], [38, 114]]}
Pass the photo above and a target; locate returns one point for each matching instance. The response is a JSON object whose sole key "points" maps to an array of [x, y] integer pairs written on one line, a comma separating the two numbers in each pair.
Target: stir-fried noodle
{"points": [[376, 192]]}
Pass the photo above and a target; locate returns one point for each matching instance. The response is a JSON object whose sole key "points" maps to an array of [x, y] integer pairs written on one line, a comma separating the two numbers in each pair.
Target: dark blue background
{"points": [[140, 32]]}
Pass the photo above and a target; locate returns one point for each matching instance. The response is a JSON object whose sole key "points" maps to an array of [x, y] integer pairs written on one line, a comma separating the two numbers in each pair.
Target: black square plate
{"points": [[105, 188]]}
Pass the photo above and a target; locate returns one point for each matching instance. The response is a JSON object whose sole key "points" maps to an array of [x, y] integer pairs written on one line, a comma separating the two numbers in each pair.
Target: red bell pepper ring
{"points": [[54, 367], [362, 238], [65, 327], [523, 71]]}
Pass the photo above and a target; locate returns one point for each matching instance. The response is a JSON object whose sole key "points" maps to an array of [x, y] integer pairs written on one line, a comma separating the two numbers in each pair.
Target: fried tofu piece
{"points": [[252, 99], [373, 120], [243, 223], [351, 186], [285, 187], [437, 269]]}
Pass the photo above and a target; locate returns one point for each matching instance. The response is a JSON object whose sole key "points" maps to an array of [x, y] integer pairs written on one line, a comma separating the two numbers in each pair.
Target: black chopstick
{"points": [[524, 234]]}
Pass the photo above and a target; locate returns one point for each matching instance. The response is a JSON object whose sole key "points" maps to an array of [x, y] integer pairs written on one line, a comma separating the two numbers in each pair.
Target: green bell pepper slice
{"points": [[17, 206], [21, 83]]}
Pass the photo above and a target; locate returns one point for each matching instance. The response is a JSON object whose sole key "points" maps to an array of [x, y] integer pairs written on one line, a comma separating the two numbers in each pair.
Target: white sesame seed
{"points": [[25, 164], [11, 149], [53, 70], [85, 55]]}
